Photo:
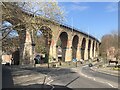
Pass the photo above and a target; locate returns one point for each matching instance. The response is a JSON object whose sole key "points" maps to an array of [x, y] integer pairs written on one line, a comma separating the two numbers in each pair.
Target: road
{"points": [[82, 77], [101, 77]]}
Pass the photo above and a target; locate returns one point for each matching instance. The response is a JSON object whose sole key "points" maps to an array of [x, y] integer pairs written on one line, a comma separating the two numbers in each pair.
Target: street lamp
{"points": [[33, 47]]}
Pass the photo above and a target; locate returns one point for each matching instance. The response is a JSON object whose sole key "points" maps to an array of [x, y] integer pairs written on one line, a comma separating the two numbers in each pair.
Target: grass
{"points": [[116, 68]]}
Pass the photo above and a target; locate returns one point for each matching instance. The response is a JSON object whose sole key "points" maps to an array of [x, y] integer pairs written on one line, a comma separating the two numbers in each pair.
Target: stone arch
{"points": [[40, 47], [89, 47], [83, 45], [24, 38], [47, 36], [62, 44], [16, 38], [47, 33], [44, 26], [15, 21], [75, 46]]}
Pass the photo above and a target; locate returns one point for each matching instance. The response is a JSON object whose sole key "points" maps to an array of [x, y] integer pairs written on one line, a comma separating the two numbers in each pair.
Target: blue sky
{"points": [[97, 18]]}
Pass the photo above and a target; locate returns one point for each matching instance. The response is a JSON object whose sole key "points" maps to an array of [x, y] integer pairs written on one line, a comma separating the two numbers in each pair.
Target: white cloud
{"points": [[74, 6], [79, 7], [112, 7]]}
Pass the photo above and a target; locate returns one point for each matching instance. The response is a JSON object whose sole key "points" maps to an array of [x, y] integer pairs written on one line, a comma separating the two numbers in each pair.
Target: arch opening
{"points": [[89, 47], [83, 48], [10, 42], [74, 46], [96, 46], [43, 39], [62, 46], [93, 49]]}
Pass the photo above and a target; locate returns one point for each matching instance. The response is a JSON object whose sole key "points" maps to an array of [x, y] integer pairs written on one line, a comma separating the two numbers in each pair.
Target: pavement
{"points": [[106, 69]]}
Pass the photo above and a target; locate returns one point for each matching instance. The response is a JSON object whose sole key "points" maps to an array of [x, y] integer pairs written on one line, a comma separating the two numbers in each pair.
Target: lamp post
{"points": [[33, 48]]}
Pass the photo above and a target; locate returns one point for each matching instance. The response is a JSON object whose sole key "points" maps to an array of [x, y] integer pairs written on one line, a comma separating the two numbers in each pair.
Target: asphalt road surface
{"points": [[57, 77], [75, 80], [111, 80]]}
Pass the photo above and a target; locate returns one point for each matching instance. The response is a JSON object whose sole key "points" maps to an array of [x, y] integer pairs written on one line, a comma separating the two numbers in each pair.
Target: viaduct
{"points": [[74, 43]]}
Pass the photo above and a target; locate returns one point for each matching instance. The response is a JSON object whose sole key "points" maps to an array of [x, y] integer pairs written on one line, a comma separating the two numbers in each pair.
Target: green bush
{"points": [[100, 66], [116, 68]]}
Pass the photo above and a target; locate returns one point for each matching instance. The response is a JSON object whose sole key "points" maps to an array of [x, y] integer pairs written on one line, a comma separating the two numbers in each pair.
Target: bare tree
{"points": [[108, 41], [49, 10]]}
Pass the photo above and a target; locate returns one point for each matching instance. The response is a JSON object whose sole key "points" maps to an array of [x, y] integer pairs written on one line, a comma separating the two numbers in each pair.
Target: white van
{"points": [[6, 59]]}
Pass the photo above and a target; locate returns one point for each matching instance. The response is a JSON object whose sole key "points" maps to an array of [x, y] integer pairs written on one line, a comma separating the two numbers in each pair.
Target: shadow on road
{"points": [[41, 70], [7, 79], [39, 87]]}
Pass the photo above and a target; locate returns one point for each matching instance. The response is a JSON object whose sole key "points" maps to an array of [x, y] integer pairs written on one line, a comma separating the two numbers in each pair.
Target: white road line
{"points": [[110, 85], [97, 80], [49, 78], [52, 87], [58, 68], [94, 79], [50, 82], [85, 66]]}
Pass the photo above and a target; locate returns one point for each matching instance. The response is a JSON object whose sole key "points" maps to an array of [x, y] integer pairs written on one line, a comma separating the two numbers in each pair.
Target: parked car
{"points": [[37, 59], [90, 64], [81, 61], [74, 60], [6, 59]]}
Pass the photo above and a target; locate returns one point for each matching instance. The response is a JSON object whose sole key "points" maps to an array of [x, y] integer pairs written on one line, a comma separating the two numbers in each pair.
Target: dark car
{"points": [[90, 64], [37, 59]]}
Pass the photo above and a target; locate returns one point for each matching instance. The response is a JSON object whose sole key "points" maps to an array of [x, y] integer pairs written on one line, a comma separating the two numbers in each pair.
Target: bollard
{"points": [[76, 63]]}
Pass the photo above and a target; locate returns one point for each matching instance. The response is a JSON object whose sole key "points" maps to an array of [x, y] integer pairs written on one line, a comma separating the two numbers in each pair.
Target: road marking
{"points": [[58, 68], [52, 87], [85, 66], [97, 80], [25, 76], [94, 79], [48, 83], [110, 85], [49, 78]]}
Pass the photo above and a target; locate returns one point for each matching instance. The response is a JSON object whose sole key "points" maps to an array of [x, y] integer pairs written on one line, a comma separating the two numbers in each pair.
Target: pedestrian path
{"points": [[24, 76], [106, 70]]}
